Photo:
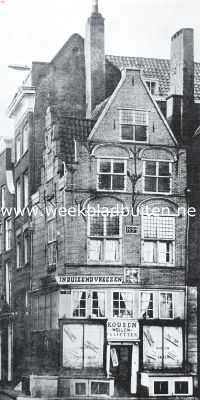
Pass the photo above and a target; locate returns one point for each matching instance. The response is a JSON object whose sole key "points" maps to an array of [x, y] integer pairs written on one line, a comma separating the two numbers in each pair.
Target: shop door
{"points": [[121, 367]]}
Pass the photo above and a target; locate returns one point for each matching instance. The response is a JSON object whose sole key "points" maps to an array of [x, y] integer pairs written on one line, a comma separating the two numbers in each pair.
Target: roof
{"points": [[155, 68]]}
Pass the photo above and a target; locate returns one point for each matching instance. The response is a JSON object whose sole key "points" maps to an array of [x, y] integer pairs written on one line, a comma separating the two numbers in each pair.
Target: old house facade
{"points": [[103, 305]]}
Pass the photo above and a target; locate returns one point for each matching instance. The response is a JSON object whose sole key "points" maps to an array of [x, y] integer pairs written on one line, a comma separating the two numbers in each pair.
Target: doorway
{"points": [[120, 367]]}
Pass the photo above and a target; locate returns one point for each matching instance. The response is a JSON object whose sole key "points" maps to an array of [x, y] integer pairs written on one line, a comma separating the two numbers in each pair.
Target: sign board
{"points": [[87, 279], [131, 230], [122, 330]]}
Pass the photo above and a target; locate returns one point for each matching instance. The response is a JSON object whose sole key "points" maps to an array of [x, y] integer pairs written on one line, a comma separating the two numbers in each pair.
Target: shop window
{"points": [[8, 234], [44, 311], [122, 304], [166, 306], [181, 387], [99, 388], [158, 240], [161, 387], [111, 175], [157, 176], [83, 346], [104, 244], [88, 304], [147, 305], [162, 347], [133, 125]]}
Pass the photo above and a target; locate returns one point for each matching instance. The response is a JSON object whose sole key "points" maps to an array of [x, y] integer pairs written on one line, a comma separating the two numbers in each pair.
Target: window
{"points": [[99, 388], [3, 192], [25, 248], [18, 195], [88, 304], [157, 176], [18, 251], [111, 175], [83, 346], [1, 238], [147, 305], [25, 138], [52, 244], [158, 240], [8, 279], [104, 244], [26, 189], [181, 387], [133, 125], [18, 148], [45, 311], [161, 387], [49, 167], [122, 304], [162, 347], [153, 87], [8, 234], [80, 389], [166, 306]]}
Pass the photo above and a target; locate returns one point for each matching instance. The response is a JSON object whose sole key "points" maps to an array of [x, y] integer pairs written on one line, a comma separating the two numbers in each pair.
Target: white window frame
{"points": [[25, 247], [26, 188], [104, 238], [112, 308], [173, 304], [18, 250], [134, 111], [3, 196], [18, 147], [8, 234], [140, 303], [8, 281], [149, 83], [25, 138], [157, 176], [52, 241], [88, 308], [112, 161], [157, 240], [18, 195]]}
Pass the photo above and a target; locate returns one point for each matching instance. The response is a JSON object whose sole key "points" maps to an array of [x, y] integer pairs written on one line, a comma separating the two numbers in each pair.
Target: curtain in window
{"points": [[76, 302], [101, 304], [149, 252], [162, 252], [145, 303], [112, 250], [128, 306], [95, 251], [166, 307]]}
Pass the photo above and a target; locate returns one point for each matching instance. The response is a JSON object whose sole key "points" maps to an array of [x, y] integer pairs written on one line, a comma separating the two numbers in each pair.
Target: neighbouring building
{"points": [[103, 300]]}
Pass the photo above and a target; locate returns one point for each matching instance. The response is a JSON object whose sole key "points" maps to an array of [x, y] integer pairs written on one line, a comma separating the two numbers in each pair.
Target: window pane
{"points": [[161, 387], [173, 347], [150, 184], [140, 133], [95, 250], [97, 226], [79, 304], [149, 252], [104, 182], [152, 347], [112, 226], [163, 169], [166, 305], [165, 252], [118, 182], [105, 166], [93, 346], [122, 304], [164, 185], [150, 227], [150, 168], [118, 167], [127, 132], [166, 227], [146, 305], [73, 346], [98, 304], [112, 250]]}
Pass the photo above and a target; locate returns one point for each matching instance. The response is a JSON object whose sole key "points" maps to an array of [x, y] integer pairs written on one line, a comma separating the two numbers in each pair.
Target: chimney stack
{"points": [[180, 103], [95, 59]]}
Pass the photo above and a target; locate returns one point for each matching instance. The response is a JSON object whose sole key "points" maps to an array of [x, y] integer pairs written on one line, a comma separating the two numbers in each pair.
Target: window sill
{"points": [[110, 191]]}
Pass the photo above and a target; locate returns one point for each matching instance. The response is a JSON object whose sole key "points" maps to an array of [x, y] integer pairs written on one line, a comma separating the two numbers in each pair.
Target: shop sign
{"points": [[87, 279], [122, 330]]}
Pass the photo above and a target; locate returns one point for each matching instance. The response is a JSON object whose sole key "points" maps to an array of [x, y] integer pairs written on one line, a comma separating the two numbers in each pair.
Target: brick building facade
{"points": [[103, 304]]}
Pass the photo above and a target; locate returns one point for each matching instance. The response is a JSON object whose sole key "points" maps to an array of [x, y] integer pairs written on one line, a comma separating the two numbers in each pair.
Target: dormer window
{"points": [[133, 125], [152, 86]]}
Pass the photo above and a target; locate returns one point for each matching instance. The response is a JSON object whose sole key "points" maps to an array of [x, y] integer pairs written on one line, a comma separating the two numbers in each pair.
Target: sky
{"points": [[34, 30]]}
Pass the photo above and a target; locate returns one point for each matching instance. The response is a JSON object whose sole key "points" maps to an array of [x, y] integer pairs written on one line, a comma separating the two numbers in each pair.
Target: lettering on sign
{"points": [[131, 230], [122, 329], [93, 280]]}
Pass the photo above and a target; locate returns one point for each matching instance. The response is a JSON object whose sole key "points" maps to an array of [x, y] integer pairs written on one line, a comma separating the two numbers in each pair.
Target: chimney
{"points": [[94, 59], [180, 103]]}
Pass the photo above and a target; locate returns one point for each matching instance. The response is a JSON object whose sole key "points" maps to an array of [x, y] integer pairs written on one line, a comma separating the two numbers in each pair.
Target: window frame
{"points": [[104, 238], [8, 234], [112, 160], [140, 304], [112, 301], [18, 195], [3, 196], [157, 176], [173, 305], [158, 240], [25, 247], [18, 147], [18, 250], [25, 189], [134, 111], [89, 303], [25, 129], [52, 242]]}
